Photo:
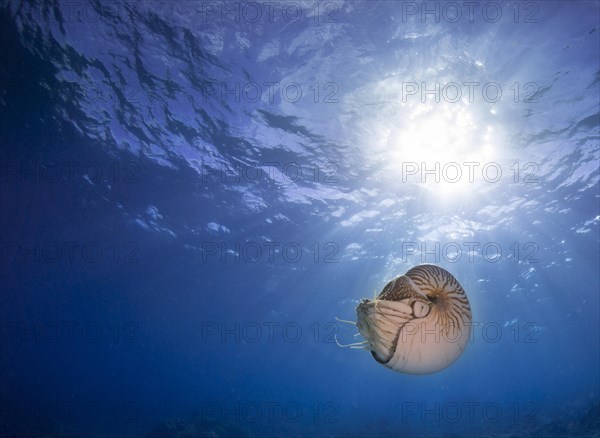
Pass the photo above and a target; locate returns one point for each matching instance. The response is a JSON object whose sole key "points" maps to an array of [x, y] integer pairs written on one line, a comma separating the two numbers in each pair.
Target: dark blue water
{"points": [[192, 192]]}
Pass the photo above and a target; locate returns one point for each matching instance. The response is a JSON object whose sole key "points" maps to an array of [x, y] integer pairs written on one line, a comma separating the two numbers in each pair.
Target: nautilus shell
{"points": [[419, 324]]}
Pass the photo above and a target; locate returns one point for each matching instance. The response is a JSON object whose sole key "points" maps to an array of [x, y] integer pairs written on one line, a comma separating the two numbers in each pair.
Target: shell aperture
{"points": [[420, 323]]}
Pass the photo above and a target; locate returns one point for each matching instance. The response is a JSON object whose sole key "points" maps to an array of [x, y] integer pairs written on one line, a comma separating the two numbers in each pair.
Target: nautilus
{"points": [[420, 323]]}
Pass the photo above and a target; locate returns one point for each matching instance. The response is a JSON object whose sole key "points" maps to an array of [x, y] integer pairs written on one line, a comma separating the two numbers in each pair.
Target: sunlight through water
{"points": [[444, 148]]}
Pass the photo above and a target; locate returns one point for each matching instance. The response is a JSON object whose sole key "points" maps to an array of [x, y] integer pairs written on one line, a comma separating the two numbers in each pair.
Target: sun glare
{"points": [[442, 148]]}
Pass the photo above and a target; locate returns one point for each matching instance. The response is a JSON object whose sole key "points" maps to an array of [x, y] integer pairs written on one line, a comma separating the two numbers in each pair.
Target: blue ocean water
{"points": [[192, 192]]}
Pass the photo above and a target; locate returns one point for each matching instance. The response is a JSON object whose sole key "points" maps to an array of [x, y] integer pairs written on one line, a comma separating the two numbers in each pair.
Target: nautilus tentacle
{"points": [[420, 323]]}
